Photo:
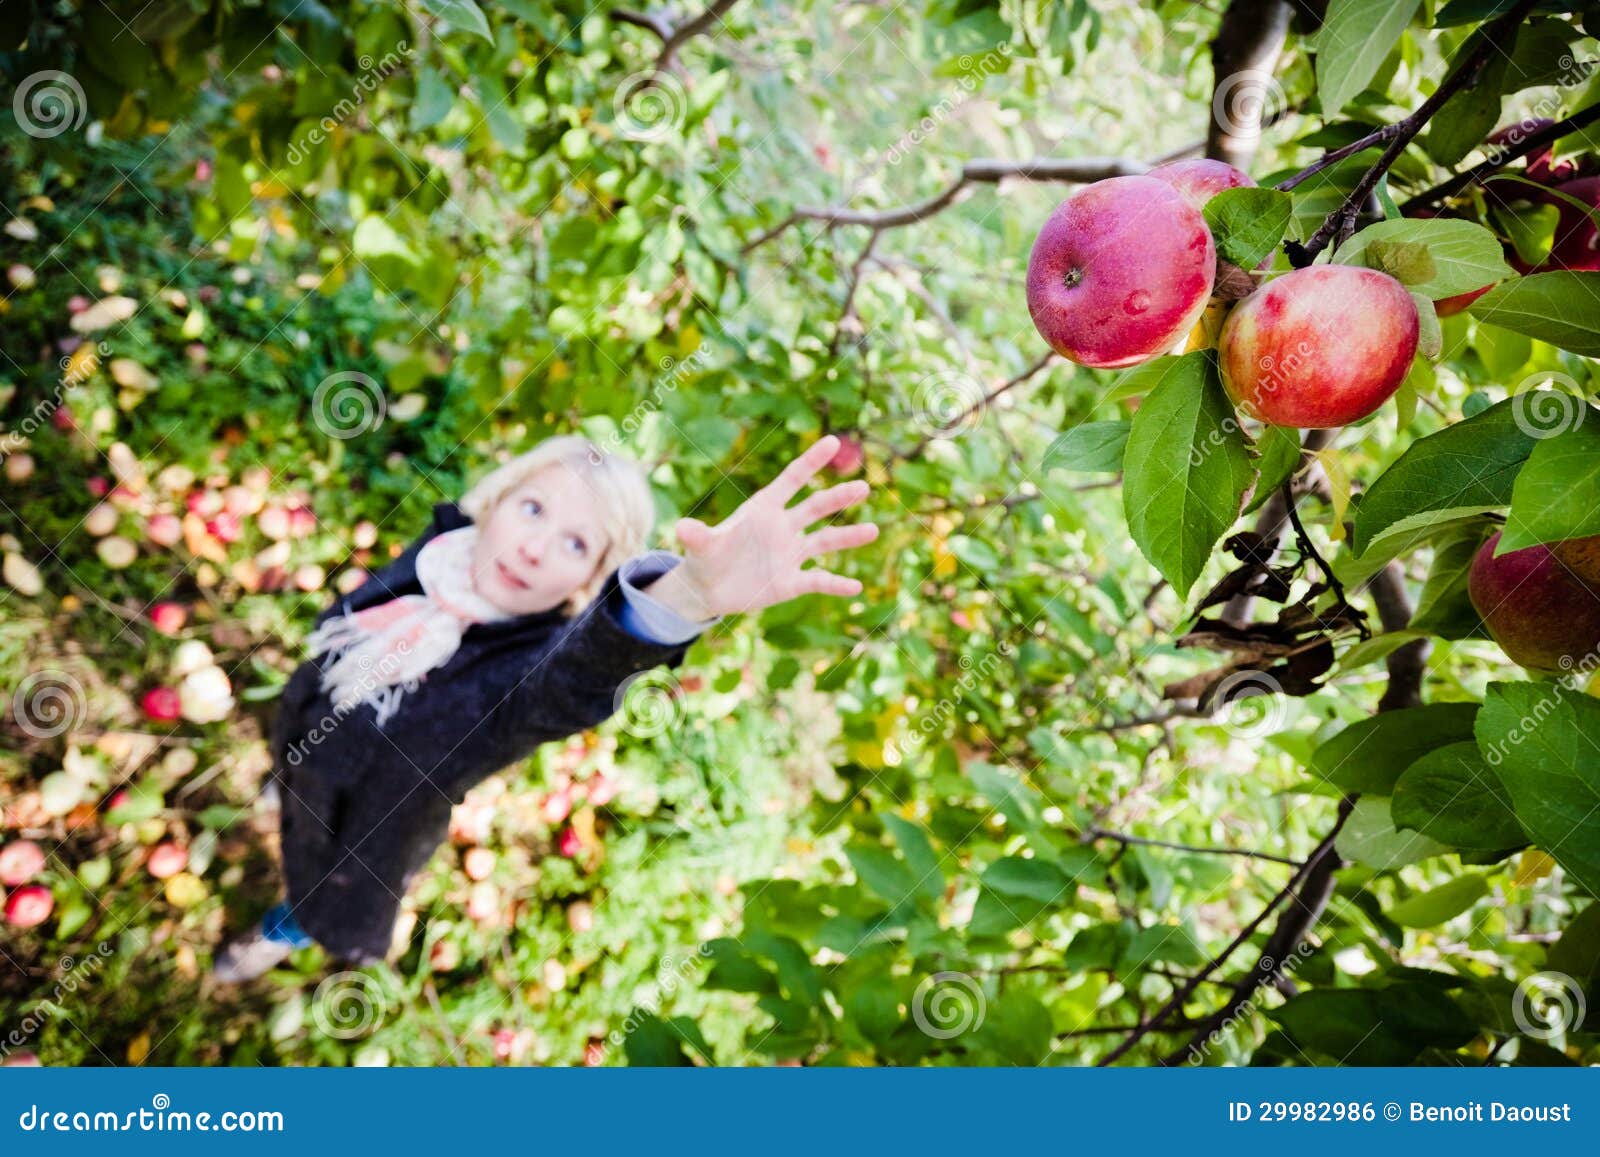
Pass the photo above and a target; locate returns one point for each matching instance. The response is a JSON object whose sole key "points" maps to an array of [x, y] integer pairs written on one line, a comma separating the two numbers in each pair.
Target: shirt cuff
{"points": [[648, 618]]}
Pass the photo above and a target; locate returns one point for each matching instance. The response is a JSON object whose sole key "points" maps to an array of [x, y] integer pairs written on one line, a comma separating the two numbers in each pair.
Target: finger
{"points": [[830, 501], [825, 582], [839, 538], [693, 534], [797, 473]]}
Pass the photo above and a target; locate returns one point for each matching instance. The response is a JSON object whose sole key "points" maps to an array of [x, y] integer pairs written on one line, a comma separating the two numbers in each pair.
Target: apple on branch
{"points": [[1319, 347], [1536, 602], [1120, 272]]}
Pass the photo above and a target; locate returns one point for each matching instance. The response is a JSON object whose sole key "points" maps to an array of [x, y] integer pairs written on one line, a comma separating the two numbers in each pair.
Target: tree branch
{"points": [[672, 36], [1248, 853], [982, 403], [1461, 182], [983, 171], [1341, 222], [1244, 54]]}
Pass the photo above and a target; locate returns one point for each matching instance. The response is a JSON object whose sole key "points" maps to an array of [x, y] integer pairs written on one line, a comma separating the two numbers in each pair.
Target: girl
{"points": [[514, 620]]}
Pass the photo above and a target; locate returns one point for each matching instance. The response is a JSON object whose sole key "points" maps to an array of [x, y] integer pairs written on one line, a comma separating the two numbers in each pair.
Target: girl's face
{"points": [[542, 542]]}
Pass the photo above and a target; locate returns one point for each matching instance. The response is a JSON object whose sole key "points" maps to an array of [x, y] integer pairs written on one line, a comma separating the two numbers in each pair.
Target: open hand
{"points": [[754, 559]]}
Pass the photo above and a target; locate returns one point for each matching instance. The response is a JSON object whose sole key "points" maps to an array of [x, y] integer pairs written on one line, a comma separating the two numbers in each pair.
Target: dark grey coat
{"points": [[364, 808]]}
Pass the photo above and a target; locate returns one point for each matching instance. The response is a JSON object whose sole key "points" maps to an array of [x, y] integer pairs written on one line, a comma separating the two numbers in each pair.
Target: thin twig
{"points": [[1248, 853]]}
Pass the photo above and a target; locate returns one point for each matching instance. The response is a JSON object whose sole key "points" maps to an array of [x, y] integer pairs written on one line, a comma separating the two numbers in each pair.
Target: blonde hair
{"points": [[619, 484]]}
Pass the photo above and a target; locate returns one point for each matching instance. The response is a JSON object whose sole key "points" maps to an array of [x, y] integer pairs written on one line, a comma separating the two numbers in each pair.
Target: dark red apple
{"points": [[849, 457], [1120, 272], [30, 906], [1318, 347], [162, 705], [1539, 612], [1577, 241]]}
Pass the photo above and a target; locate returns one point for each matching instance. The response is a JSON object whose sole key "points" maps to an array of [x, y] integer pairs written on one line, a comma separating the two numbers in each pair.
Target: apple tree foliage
{"points": [[1163, 736]]}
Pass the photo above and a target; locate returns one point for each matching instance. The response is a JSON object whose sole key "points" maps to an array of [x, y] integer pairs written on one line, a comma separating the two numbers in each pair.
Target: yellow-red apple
{"points": [[1318, 347]]}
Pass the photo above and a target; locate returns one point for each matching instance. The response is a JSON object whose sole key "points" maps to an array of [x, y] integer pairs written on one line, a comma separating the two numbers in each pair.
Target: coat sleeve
{"points": [[577, 681]]}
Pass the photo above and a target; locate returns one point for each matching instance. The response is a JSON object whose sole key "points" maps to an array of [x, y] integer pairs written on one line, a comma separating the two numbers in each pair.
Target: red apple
{"points": [[1120, 272], [1577, 241], [1450, 306], [478, 863], [166, 859], [570, 845], [1581, 556], [20, 861], [1542, 615], [600, 790], [22, 1060], [163, 529], [162, 705], [225, 527], [580, 916], [1201, 180], [30, 906], [169, 618], [849, 457], [556, 807], [1322, 346]]}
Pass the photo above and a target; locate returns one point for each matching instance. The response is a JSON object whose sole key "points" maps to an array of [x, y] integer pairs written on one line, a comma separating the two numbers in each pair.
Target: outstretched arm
{"points": [[756, 558]]}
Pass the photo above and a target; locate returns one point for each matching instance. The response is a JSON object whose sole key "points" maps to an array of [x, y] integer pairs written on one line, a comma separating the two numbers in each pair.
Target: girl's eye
{"points": [[532, 507], [577, 546]]}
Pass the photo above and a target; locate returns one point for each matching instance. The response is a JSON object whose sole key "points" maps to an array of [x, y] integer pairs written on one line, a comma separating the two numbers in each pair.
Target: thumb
{"points": [[693, 534]]}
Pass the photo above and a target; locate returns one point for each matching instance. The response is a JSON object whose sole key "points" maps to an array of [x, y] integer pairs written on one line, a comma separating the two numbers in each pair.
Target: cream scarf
{"points": [[378, 654]]}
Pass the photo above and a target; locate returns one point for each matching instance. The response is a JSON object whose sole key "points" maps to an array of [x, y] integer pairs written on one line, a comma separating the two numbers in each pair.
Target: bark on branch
{"points": [[1244, 57], [672, 36]]}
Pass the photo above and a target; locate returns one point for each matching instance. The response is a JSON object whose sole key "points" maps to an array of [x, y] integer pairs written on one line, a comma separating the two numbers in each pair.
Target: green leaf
{"points": [[1462, 470], [1464, 256], [1090, 447], [1435, 906], [883, 872], [1430, 344], [1248, 223], [1279, 450], [1562, 308], [462, 14], [1554, 496], [1020, 876], [1453, 796], [1541, 740], [919, 854], [1355, 37], [733, 969], [1370, 837], [1577, 953], [1369, 755], [1444, 608], [1185, 470], [1388, 1026]]}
